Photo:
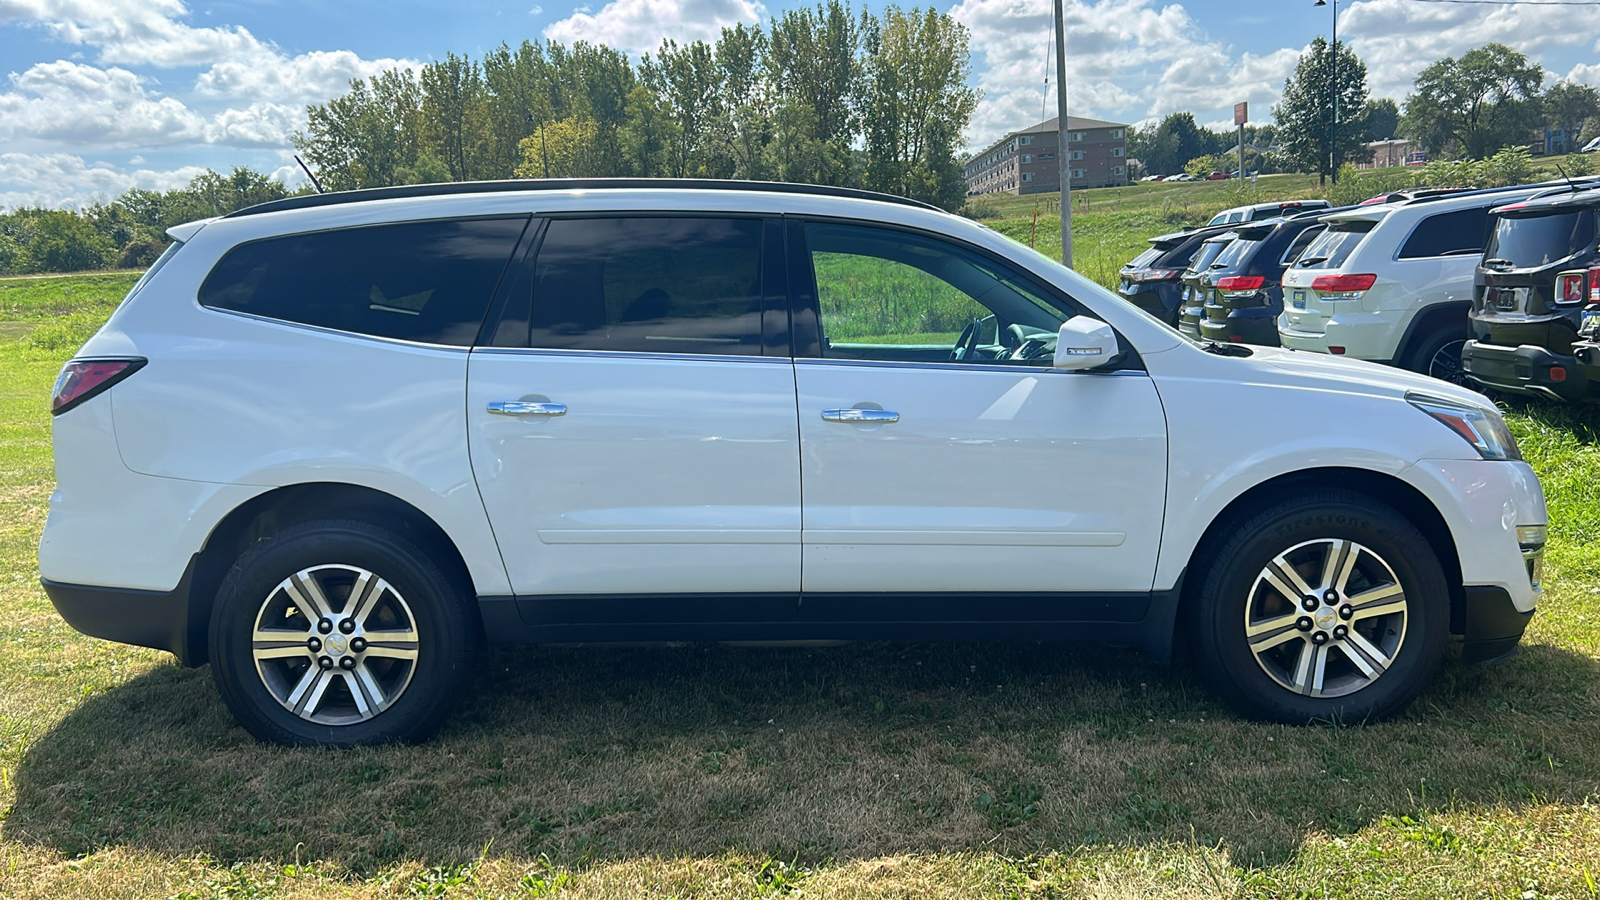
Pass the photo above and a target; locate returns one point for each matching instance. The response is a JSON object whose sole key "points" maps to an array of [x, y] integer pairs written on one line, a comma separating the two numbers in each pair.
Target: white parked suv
{"points": [[333, 444], [1392, 283]]}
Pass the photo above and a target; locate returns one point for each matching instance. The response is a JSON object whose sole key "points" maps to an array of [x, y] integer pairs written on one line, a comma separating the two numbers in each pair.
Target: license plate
{"points": [[1503, 298], [1591, 322], [1298, 300]]}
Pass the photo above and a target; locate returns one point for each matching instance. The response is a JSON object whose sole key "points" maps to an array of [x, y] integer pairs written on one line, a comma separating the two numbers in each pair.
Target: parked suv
{"points": [[1243, 289], [1275, 209], [1392, 283], [1539, 275], [1191, 303], [1153, 280], [335, 443]]}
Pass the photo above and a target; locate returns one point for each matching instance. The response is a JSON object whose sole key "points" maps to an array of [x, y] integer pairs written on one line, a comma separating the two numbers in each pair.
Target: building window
{"points": [[1077, 136], [1027, 176], [1116, 134], [1116, 151], [1026, 159], [1120, 170], [1078, 173], [1047, 156], [1077, 154], [1026, 140]]}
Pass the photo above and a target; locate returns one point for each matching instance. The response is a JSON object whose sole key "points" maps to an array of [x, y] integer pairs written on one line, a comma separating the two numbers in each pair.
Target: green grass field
{"points": [[863, 771]]}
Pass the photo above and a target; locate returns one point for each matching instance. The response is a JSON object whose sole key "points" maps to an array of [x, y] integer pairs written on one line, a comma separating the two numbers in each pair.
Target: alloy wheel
{"points": [[1446, 363], [335, 644], [1326, 618]]}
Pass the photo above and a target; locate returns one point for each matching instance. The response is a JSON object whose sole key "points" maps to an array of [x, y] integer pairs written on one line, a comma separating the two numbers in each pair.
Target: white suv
{"points": [[1392, 283], [332, 444]]}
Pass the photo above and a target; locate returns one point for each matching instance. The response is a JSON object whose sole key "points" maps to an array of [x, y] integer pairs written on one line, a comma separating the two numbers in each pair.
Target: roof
{"points": [[1552, 202], [1049, 126], [562, 184]]}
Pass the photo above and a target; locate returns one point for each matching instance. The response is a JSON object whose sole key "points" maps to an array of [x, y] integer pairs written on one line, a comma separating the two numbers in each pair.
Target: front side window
{"points": [[417, 281], [649, 284], [891, 295]]}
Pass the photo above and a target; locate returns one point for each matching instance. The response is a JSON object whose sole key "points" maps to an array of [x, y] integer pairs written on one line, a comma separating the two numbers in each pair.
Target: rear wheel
{"points": [[1439, 355], [1326, 606], [338, 633]]}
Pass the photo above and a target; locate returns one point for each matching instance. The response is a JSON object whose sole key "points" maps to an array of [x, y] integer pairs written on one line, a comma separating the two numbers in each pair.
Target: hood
{"points": [[1320, 370]]}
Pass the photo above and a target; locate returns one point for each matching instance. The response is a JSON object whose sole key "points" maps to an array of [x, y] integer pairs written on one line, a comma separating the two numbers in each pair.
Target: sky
{"points": [[99, 96]]}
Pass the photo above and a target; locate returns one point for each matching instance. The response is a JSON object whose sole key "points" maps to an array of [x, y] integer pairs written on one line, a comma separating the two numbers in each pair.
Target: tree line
{"points": [[1469, 108], [822, 95]]}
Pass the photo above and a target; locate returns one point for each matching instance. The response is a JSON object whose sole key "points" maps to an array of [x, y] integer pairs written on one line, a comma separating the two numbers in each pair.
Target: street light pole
{"points": [[1333, 126], [1064, 152]]}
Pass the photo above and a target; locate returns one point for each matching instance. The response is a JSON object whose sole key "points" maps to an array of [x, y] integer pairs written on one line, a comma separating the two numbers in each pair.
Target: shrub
{"points": [[981, 206], [140, 252]]}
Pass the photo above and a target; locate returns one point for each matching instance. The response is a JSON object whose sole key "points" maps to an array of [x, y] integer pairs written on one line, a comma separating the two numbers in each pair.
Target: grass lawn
{"points": [[863, 771]]}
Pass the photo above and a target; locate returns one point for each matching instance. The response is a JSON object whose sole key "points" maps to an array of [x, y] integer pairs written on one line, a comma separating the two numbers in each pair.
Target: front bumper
{"points": [[1527, 369], [1492, 624]]}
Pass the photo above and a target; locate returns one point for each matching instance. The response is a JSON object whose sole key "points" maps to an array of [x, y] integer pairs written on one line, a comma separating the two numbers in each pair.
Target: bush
{"points": [[981, 206], [1579, 166], [140, 252]]}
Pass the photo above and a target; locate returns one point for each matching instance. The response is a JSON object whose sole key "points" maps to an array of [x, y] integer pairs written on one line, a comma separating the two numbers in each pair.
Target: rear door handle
{"points": [[526, 408], [859, 415]]}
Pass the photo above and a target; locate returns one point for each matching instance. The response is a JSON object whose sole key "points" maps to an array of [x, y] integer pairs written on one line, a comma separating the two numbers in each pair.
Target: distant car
{"points": [[1179, 177], [1153, 280], [1591, 147], [1217, 176], [1259, 211], [1536, 300], [1191, 305], [1242, 288]]}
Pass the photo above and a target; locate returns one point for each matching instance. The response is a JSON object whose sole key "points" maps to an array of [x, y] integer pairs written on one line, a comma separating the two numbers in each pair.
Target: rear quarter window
{"points": [[1331, 248], [1459, 233], [429, 282]]}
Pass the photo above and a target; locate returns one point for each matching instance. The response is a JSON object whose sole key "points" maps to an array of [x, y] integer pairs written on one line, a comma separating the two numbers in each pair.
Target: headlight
{"points": [[1483, 428]]}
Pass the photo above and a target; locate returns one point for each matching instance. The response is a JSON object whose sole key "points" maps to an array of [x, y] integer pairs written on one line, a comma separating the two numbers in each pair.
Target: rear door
{"points": [[633, 423]]}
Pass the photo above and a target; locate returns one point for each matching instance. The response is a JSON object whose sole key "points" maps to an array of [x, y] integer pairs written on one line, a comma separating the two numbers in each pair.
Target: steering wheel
{"points": [[967, 345]]}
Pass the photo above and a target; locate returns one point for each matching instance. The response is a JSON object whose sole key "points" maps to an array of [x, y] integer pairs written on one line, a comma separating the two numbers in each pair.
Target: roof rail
{"points": [[337, 198], [1536, 186]]}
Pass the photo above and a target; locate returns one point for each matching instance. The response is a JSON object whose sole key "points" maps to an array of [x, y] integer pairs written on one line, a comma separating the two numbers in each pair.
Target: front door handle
{"points": [[860, 415], [526, 408]]}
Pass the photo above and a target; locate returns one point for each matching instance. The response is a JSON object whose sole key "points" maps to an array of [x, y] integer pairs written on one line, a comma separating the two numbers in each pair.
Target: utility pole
{"points": [[1064, 135], [1333, 125]]}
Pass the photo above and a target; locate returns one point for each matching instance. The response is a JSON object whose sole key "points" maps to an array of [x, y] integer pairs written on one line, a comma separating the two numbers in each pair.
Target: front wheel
{"points": [[338, 633], [1326, 606]]}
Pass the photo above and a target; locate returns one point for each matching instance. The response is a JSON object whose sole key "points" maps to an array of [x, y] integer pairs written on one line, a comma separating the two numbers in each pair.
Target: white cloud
{"points": [[309, 78], [58, 179], [83, 105], [1211, 79], [1397, 38], [1584, 73], [639, 26]]}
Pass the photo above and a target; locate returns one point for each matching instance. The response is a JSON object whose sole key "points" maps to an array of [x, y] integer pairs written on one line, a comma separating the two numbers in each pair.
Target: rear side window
{"points": [[416, 281], [1334, 246], [1458, 233], [1532, 241], [1208, 253], [1297, 248], [649, 284]]}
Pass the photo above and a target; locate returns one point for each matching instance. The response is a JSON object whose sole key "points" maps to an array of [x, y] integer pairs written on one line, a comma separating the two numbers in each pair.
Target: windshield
{"points": [[1334, 246], [1532, 241]]}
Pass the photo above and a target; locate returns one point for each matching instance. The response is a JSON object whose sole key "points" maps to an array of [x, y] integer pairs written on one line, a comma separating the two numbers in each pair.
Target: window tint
{"points": [[1146, 258], [1237, 251], [892, 295], [1530, 241], [1334, 246], [1208, 253], [1448, 234], [649, 284], [1298, 247], [416, 281]]}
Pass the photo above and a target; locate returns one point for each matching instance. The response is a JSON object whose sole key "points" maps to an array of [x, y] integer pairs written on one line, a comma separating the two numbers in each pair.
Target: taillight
{"points": [[1594, 285], [81, 379], [1241, 284], [1147, 275], [1343, 284], [1569, 287]]}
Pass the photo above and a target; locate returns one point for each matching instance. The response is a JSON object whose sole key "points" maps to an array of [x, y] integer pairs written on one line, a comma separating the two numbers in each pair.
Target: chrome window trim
{"points": [[959, 367], [630, 354]]}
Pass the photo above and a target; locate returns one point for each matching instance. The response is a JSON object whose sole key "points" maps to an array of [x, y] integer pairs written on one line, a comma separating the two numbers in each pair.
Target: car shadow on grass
{"points": [[590, 754]]}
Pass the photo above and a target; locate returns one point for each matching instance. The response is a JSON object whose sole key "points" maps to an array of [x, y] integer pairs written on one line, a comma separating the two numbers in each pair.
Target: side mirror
{"points": [[1084, 343]]}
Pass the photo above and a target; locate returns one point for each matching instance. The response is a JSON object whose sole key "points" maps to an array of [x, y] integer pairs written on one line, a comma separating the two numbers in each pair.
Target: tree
{"points": [[689, 84], [62, 241], [454, 116], [814, 62], [1567, 106], [1305, 115], [745, 127], [1476, 105], [916, 106], [569, 148], [366, 137], [1382, 119], [1168, 147]]}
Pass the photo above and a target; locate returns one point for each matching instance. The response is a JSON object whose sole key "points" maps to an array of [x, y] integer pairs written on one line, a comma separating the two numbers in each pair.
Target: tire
{"points": [[389, 672], [1261, 651], [1439, 355]]}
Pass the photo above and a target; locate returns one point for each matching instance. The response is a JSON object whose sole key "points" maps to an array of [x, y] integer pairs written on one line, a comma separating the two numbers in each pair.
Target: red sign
{"points": [[1241, 113]]}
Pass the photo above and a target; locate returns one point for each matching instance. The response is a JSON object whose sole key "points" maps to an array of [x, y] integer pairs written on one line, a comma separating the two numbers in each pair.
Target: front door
{"points": [[940, 452], [635, 433]]}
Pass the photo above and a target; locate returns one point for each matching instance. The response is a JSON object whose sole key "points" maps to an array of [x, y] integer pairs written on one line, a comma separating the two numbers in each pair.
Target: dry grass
{"points": [[865, 771]]}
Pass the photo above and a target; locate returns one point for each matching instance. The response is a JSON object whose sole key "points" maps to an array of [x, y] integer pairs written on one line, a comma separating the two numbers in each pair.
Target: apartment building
{"points": [[1030, 161]]}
